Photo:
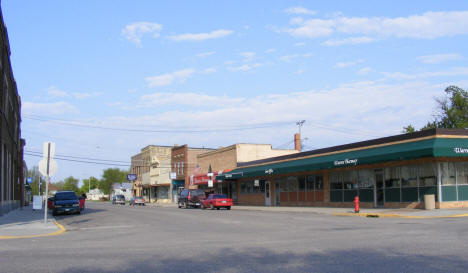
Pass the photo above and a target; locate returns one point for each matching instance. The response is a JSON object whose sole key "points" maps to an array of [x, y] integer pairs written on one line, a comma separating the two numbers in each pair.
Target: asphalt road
{"points": [[109, 238]]}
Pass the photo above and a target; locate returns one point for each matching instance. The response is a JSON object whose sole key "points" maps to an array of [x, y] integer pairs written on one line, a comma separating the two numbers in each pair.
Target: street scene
{"points": [[111, 238], [233, 136]]}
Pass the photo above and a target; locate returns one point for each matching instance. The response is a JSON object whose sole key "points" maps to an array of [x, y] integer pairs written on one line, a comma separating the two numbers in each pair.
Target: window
{"points": [[462, 173], [310, 183], [243, 187], [261, 188], [349, 180], [318, 182], [448, 173], [302, 183], [292, 182], [409, 176], [392, 177], [428, 174]]}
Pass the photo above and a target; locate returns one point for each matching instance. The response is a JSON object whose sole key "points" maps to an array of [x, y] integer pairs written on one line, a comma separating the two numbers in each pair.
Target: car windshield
{"points": [[219, 196], [198, 192], [65, 196]]}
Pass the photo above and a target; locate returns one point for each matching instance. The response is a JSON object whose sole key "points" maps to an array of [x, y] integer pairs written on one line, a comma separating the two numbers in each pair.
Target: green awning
{"points": [[434, 147]]}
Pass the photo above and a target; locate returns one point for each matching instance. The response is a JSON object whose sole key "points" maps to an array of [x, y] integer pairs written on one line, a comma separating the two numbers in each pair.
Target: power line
{"points": [[200, 130]]}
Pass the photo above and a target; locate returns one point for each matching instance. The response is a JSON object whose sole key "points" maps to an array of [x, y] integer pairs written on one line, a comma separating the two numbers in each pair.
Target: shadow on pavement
{"points": [[262, 260]]}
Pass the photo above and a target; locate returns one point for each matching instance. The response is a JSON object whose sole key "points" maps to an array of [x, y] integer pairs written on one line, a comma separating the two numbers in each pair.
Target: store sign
{"points": [[269, 171], [210, 183], [346, 162], [461, 150], [131, 177], [172, 175], [256, 183]]}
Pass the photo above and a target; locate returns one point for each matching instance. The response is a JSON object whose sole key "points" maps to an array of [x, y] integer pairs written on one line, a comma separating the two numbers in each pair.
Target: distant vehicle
{"points": [[137, 200], [65, 202], [118, 199], [190, 198], [217, 201]]}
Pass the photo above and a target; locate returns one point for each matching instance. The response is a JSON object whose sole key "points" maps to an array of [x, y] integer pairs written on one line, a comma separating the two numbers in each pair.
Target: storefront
{"points": [[202, 181], [395, 171], [177, 185]]}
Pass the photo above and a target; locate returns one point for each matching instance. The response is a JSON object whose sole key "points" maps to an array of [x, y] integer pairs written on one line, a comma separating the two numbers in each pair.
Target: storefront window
{"points": [[392, 177], [462, 173], [261, 188], [428, 174], [336, 186], [409, 176], [350, 180], [302, 183], [243, 188], [448, 173], [292, 181], [163, 192], [366, 179], [318, 182], [310, 183]]}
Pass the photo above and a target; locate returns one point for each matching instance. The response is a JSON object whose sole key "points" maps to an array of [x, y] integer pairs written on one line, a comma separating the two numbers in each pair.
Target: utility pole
{"points": [[299, 124]]}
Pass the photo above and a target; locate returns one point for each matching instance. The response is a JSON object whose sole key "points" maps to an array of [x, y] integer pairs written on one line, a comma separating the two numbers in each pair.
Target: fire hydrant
{"points": [[356, 204]]}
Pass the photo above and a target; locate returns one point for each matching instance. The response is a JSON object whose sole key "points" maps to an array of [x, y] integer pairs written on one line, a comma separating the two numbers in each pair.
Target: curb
{"points": [[382, 215], [60, 231]]}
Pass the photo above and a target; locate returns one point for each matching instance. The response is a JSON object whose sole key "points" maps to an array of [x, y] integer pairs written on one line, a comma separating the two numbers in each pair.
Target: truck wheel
{"points": [[179, 205], [228, 208], [217, 208]]}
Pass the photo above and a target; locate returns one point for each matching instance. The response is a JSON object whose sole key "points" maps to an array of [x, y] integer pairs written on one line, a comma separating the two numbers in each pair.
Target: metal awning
{"points": [[432, 147]]}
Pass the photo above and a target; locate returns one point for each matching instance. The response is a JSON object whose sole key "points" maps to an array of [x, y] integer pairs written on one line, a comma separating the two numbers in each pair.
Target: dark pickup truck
{"points": [[190, 198], [65, 202]]}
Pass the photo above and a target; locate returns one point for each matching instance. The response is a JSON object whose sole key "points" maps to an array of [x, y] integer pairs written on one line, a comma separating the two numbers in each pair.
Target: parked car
{"points": [[137, 200], [65, 202], [217, 201], [190, 198], [118, 199]]}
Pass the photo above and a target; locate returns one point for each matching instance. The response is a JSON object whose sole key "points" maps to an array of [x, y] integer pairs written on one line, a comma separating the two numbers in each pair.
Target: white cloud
{"points": [[167, 79], [192, 99], [135, 31], [209, 70], [299, 44], [205, 54], [289, 58], [248, 56], [429, 25], [455, 71], [349, 41], [86, 95], [347, 64], [54, 92], [299, 10], [244, 67], [439, 58], [364, 71], [55, 108], [270, 50], [196, 37]]}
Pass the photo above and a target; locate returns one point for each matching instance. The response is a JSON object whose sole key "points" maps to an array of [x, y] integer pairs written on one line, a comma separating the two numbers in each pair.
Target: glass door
{"points": [[267, 193]]}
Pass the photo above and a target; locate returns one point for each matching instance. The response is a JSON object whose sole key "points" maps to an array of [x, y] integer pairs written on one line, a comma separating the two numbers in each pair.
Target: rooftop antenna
{"points": [[299, 124]]}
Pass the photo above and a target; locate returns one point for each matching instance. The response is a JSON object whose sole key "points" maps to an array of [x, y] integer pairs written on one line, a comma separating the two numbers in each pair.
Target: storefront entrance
{"points": [[267, 193]]}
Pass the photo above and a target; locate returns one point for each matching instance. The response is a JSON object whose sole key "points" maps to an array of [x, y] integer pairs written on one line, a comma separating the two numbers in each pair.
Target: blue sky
{"points": [[354, 70]]}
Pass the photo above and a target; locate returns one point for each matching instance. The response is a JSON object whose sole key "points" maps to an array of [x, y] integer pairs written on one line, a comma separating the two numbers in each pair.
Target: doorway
{"points": [[277, 193], [267, 193], [379, 190]]}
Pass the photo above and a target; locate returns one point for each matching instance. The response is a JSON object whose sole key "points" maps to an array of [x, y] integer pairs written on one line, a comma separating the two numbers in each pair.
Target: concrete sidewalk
{"points": [[366, 212], [27, 223]]}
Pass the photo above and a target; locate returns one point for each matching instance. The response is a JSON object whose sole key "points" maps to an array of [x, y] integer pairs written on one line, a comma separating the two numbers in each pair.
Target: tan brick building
{"points": [[152, 167]]}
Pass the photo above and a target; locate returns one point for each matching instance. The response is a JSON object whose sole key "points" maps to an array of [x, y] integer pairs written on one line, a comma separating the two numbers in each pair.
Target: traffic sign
{"points": [[29, 180], [47, 165]]}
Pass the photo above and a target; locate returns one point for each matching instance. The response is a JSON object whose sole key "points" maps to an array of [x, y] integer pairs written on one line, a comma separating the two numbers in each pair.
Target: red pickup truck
{"points": [[216, 201]]}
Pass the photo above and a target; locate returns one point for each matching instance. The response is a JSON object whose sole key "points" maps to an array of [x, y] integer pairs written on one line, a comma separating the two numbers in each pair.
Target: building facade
{"points": [[152, 167], [183, 165], [225, 159], [11, 145], [396, 171]]}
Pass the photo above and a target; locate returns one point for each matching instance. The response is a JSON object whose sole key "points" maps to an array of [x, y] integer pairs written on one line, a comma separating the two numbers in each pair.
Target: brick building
{"points": [[226, 159], [11, 145]]}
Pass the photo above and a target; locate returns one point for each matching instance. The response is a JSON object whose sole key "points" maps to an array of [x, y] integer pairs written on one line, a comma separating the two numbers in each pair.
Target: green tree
{"points": [[89, 184], [110, 176], [452, 110], [71, 184], [408, 129]]}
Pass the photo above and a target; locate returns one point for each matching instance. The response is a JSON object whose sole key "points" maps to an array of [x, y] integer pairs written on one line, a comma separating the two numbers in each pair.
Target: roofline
{"points": [[234, 146], [360, 145]]}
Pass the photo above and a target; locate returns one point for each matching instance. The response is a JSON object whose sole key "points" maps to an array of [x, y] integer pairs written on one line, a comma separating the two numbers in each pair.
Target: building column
{"points": [[439, 184]]}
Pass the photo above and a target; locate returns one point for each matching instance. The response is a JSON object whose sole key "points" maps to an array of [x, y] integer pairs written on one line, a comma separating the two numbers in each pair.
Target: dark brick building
{"points": [[11, 144]]}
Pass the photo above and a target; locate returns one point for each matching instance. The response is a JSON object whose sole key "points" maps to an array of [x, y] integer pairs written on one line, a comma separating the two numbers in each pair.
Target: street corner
{"points": [[31, 230]]}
